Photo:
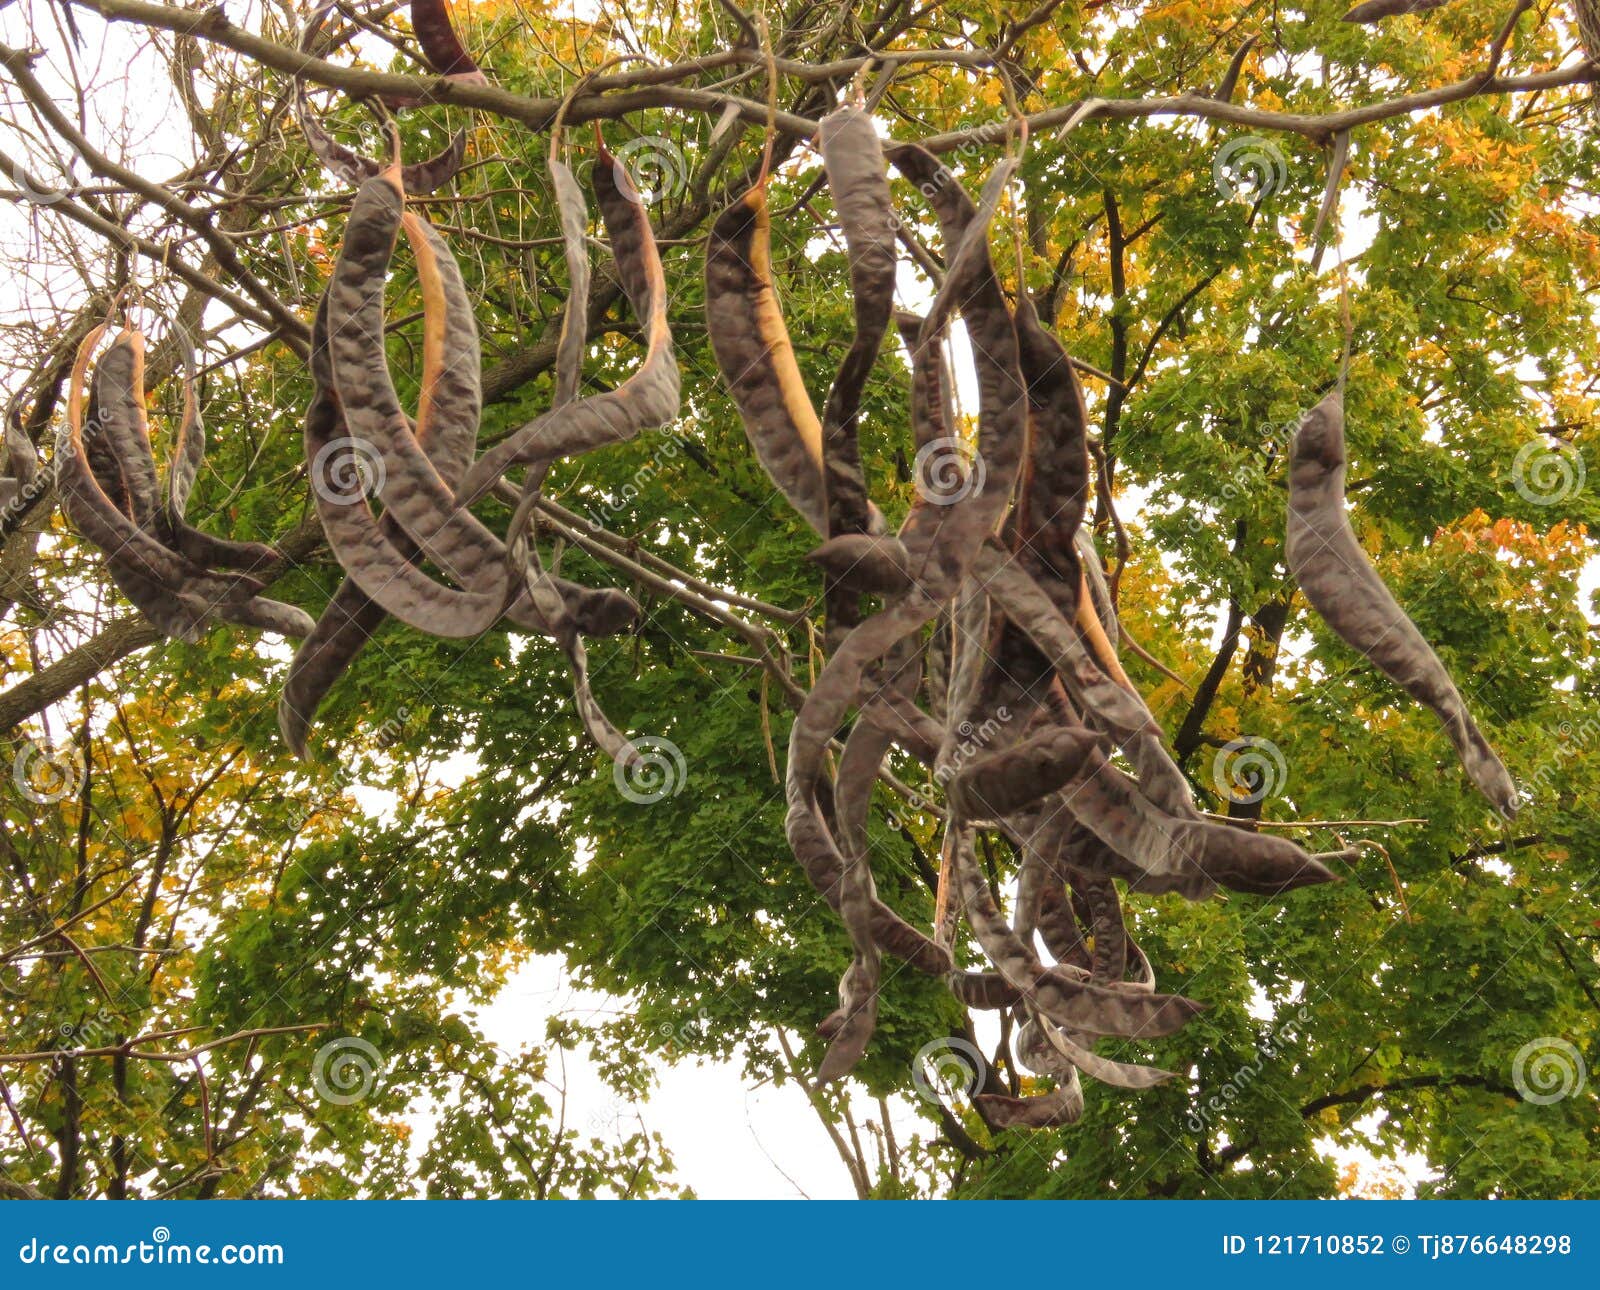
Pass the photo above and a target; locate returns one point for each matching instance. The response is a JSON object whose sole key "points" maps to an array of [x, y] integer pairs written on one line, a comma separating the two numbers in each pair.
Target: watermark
{"points": [[346, 470], [1249, 169], [655, 771], [651, 168], [954, 1062], [47, 774], [1547, 475], [160, 1249], [1235, 1086], [943, 475], [1572, 742], [346, 1070], [1548, 1069], [1249, 770], [31, 190], [665, 449]]}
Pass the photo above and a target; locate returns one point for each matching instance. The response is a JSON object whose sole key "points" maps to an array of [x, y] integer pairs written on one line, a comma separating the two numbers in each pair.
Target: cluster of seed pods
{"points": [[992, 617], [179, 577], [979, 638], [427, 471]]}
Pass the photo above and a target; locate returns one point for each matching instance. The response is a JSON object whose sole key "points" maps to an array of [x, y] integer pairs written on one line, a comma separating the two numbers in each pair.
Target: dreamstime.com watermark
{"points": [[1268, 1050], [160, 1250]]}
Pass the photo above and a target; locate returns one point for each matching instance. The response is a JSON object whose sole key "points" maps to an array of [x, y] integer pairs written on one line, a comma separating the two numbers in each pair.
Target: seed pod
{"points": [[111, 498], [1342, 586], [350, 167], [1372, 11], [443, 49], [853, 161], [648, 398], [1072, 1002], [754, 354]]}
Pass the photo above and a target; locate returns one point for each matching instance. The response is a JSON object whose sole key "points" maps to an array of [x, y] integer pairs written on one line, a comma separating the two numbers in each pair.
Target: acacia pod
{"points": [[648, 398], [1109, 1009], [1062, 1106], [175, 593], [1002, 784], [1342, 586], [756, 359], [349, 166], [853, 162], [443, 49], [865, 563]]}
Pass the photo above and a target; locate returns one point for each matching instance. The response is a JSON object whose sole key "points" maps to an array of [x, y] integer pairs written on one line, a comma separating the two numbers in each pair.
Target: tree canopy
{"points": [[228, 972]]}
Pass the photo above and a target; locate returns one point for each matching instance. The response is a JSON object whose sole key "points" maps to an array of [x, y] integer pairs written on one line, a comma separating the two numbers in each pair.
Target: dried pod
{"points": [[1342, 586]]}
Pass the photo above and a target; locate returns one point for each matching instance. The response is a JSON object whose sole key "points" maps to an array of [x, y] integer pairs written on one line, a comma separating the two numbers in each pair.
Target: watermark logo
{"points": [[346, 1070], [1249, 169], [953, 1062], [943, 475], [1548, 1069], [1249, 770], [346, 470], [48, 774], [655, 771], [1546, 475], [650, 168]]}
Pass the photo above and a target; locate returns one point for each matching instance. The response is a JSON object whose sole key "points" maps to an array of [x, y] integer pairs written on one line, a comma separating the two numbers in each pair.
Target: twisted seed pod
{"points": [[105, 474], [349, 166], [1342, 586]]}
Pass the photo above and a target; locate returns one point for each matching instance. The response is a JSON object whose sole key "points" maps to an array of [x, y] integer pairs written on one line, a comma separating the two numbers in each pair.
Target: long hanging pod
{"points": [[1342, 586]]}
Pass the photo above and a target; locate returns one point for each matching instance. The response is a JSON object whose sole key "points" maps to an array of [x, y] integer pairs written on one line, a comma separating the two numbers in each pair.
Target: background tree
{"points": [[226, 973]]}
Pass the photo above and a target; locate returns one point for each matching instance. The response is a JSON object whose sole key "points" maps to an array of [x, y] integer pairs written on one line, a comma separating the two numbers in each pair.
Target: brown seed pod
{"points": [[756, 358], [108, 492], [443, 49], [349, 166], [1342, 586]]}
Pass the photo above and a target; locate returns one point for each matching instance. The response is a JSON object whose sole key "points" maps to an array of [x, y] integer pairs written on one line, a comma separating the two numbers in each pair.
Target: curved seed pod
{"points": [[1053, 491], [1002, 784], [753, 352], [1071, 1053], [123, 429], [443, 49], [853, 162], [522, 552], [1056, 1109], [349, 166], [1114, 706], [865, 563], [942, 541], [1342, 586], [176, 594], [1099, 589], [648, 398], [932, 399], [188, 451], [1079, 1005]]}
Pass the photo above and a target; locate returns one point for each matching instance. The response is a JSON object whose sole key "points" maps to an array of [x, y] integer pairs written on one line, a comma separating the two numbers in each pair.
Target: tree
{"points": [[229, 973]]}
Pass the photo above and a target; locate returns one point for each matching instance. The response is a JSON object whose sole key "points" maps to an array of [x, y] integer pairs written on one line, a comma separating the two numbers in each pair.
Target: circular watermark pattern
{"points": [[942, 474], [1249, 169], [45, 774], [1546, 475], [654, 772], [345, 1070], [160, 1235], [955, 1063], [1548, 1069], [651, 167], [1249, 770], [29, 189], [346, 470]]}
